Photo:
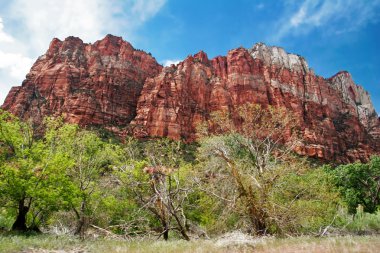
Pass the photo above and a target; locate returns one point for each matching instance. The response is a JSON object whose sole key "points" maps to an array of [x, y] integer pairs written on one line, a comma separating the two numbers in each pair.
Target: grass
{"points": [[364, 223], [50, 243]]}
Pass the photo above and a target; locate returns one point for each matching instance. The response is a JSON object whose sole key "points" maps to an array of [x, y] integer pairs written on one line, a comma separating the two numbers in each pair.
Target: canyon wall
{"points": [[111, 84]]}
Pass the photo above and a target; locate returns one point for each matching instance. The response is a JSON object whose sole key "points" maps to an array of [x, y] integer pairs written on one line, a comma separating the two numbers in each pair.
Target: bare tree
{"points": [[161, 184], [251, 141]]}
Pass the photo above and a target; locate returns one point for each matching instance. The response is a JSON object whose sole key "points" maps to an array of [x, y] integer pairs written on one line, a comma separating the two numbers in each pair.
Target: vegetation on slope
{"points": [[239, 176]]}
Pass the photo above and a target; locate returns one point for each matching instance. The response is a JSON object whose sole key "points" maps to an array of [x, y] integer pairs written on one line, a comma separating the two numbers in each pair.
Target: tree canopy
{"points": [[359, 184]]}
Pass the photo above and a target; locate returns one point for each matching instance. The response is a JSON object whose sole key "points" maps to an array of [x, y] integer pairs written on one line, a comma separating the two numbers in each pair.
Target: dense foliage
{"points": [[240, 175], [359, 184], [33, 182]]}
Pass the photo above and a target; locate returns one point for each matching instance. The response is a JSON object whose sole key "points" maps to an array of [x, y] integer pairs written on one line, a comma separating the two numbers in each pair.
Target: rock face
{"points": [[89, 84], [111, 84], [338, 121]]}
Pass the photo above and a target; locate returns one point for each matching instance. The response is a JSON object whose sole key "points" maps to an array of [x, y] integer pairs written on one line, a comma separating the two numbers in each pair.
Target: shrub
{"points": [[359, 184]]}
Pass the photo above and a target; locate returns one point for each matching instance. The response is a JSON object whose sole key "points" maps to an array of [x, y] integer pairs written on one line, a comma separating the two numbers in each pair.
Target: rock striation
{"points": [[89, 84], [338, 121], [111, 84]]}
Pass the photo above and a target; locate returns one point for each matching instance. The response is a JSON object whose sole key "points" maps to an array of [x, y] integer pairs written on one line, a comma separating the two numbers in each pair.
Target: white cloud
{"points": [[3, 36], [298, 18], [29, 26], [44, 19], [146, 9], [15, 65], [333, 15], [13, 68], [88, 19], [167, 63]]}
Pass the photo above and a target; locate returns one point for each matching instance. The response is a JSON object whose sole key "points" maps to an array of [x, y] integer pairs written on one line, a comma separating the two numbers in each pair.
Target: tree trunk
{"points": [[166, 229], [83, 221], [81, 226], [20, 223], [182, 229], [183, 233], [260, 226], [258, 221]]}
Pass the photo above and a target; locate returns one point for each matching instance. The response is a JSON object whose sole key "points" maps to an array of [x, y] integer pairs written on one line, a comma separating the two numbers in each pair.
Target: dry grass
{"points": [[233, 242], [328, 244]]}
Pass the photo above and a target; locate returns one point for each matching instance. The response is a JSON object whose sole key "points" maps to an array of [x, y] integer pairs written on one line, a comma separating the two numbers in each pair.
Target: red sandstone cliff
{"points": [[97, 84], [337, 118], [109, 83]]}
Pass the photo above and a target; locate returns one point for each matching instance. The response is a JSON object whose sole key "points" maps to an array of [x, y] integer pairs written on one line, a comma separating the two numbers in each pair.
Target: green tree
{"points": [[93, 160], [32, 174], [304, 200], [90, 160], [359, 184]]}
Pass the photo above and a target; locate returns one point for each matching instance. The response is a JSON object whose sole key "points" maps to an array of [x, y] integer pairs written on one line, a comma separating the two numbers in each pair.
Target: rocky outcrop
{"points": [[111, 84], [89, 84], [338, 121]]}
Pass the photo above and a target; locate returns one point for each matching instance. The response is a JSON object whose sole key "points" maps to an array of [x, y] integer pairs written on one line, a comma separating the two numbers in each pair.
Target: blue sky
{"points": [[332, 35]]}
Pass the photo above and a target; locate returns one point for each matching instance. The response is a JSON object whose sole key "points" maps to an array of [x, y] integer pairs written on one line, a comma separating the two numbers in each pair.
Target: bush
{"points": [[6, 219], [296, 198], [359, 184], [303, 202], [362, 222]]}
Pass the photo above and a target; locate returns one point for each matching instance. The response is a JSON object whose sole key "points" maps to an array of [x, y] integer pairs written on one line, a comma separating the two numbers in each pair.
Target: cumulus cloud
{"points": [[335, 16], [167, 63], [27, 27]]}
